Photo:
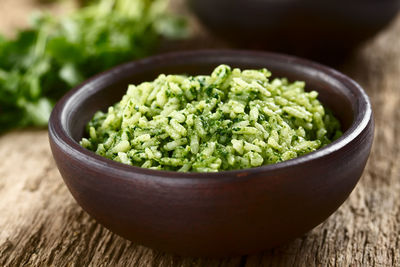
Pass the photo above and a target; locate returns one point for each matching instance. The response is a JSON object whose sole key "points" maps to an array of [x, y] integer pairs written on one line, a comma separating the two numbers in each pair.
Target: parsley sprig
{"points": [[56, 54]]}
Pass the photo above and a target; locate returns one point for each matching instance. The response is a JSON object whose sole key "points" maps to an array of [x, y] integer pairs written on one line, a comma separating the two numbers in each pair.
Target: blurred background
{"points": [[323, 30], [311, 28], [49, 46]]}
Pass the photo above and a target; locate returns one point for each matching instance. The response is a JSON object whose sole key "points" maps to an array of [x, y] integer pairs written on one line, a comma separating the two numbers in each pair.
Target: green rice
{"points": [[229, 120]]}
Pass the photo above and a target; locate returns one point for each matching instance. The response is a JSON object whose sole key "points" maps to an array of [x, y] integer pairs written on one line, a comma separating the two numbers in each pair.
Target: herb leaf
{"points": [[45, 61]]}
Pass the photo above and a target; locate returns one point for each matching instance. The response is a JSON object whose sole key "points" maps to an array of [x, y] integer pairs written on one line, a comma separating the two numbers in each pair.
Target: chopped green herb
{"points": [[255, 122]]}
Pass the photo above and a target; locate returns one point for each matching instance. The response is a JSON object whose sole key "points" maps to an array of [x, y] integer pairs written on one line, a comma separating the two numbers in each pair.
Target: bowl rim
{"points": [[59, 135]]}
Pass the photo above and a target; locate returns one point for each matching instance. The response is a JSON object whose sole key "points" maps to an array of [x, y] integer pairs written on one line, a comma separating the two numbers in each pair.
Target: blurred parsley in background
{"points": [[56, 54]]}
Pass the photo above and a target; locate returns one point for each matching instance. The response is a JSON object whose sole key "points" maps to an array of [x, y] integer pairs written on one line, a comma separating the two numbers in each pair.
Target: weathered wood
{"points": [[41, 224]]}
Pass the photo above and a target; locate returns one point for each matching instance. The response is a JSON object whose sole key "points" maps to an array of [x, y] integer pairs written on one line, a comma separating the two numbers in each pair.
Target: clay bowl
{"points": [[213, 214], [302, 27]]}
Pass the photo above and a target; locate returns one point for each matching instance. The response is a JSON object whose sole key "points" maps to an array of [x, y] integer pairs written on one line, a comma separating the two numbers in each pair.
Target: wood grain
{"points": [[41, 224]]}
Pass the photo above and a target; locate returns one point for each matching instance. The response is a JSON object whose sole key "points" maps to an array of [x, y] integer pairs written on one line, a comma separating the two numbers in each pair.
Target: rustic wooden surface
{"points": [[42, 225]]}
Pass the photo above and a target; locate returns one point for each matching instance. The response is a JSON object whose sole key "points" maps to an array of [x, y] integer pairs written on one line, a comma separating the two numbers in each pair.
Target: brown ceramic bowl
{"points": [[325, 30], [213, 214]]}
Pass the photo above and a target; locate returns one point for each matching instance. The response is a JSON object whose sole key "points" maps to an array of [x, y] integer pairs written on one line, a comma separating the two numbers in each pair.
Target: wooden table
{"points": [[42, 225]]}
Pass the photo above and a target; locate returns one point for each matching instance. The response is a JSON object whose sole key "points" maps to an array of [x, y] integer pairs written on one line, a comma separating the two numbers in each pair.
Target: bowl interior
{"points": [[106, 89]]}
